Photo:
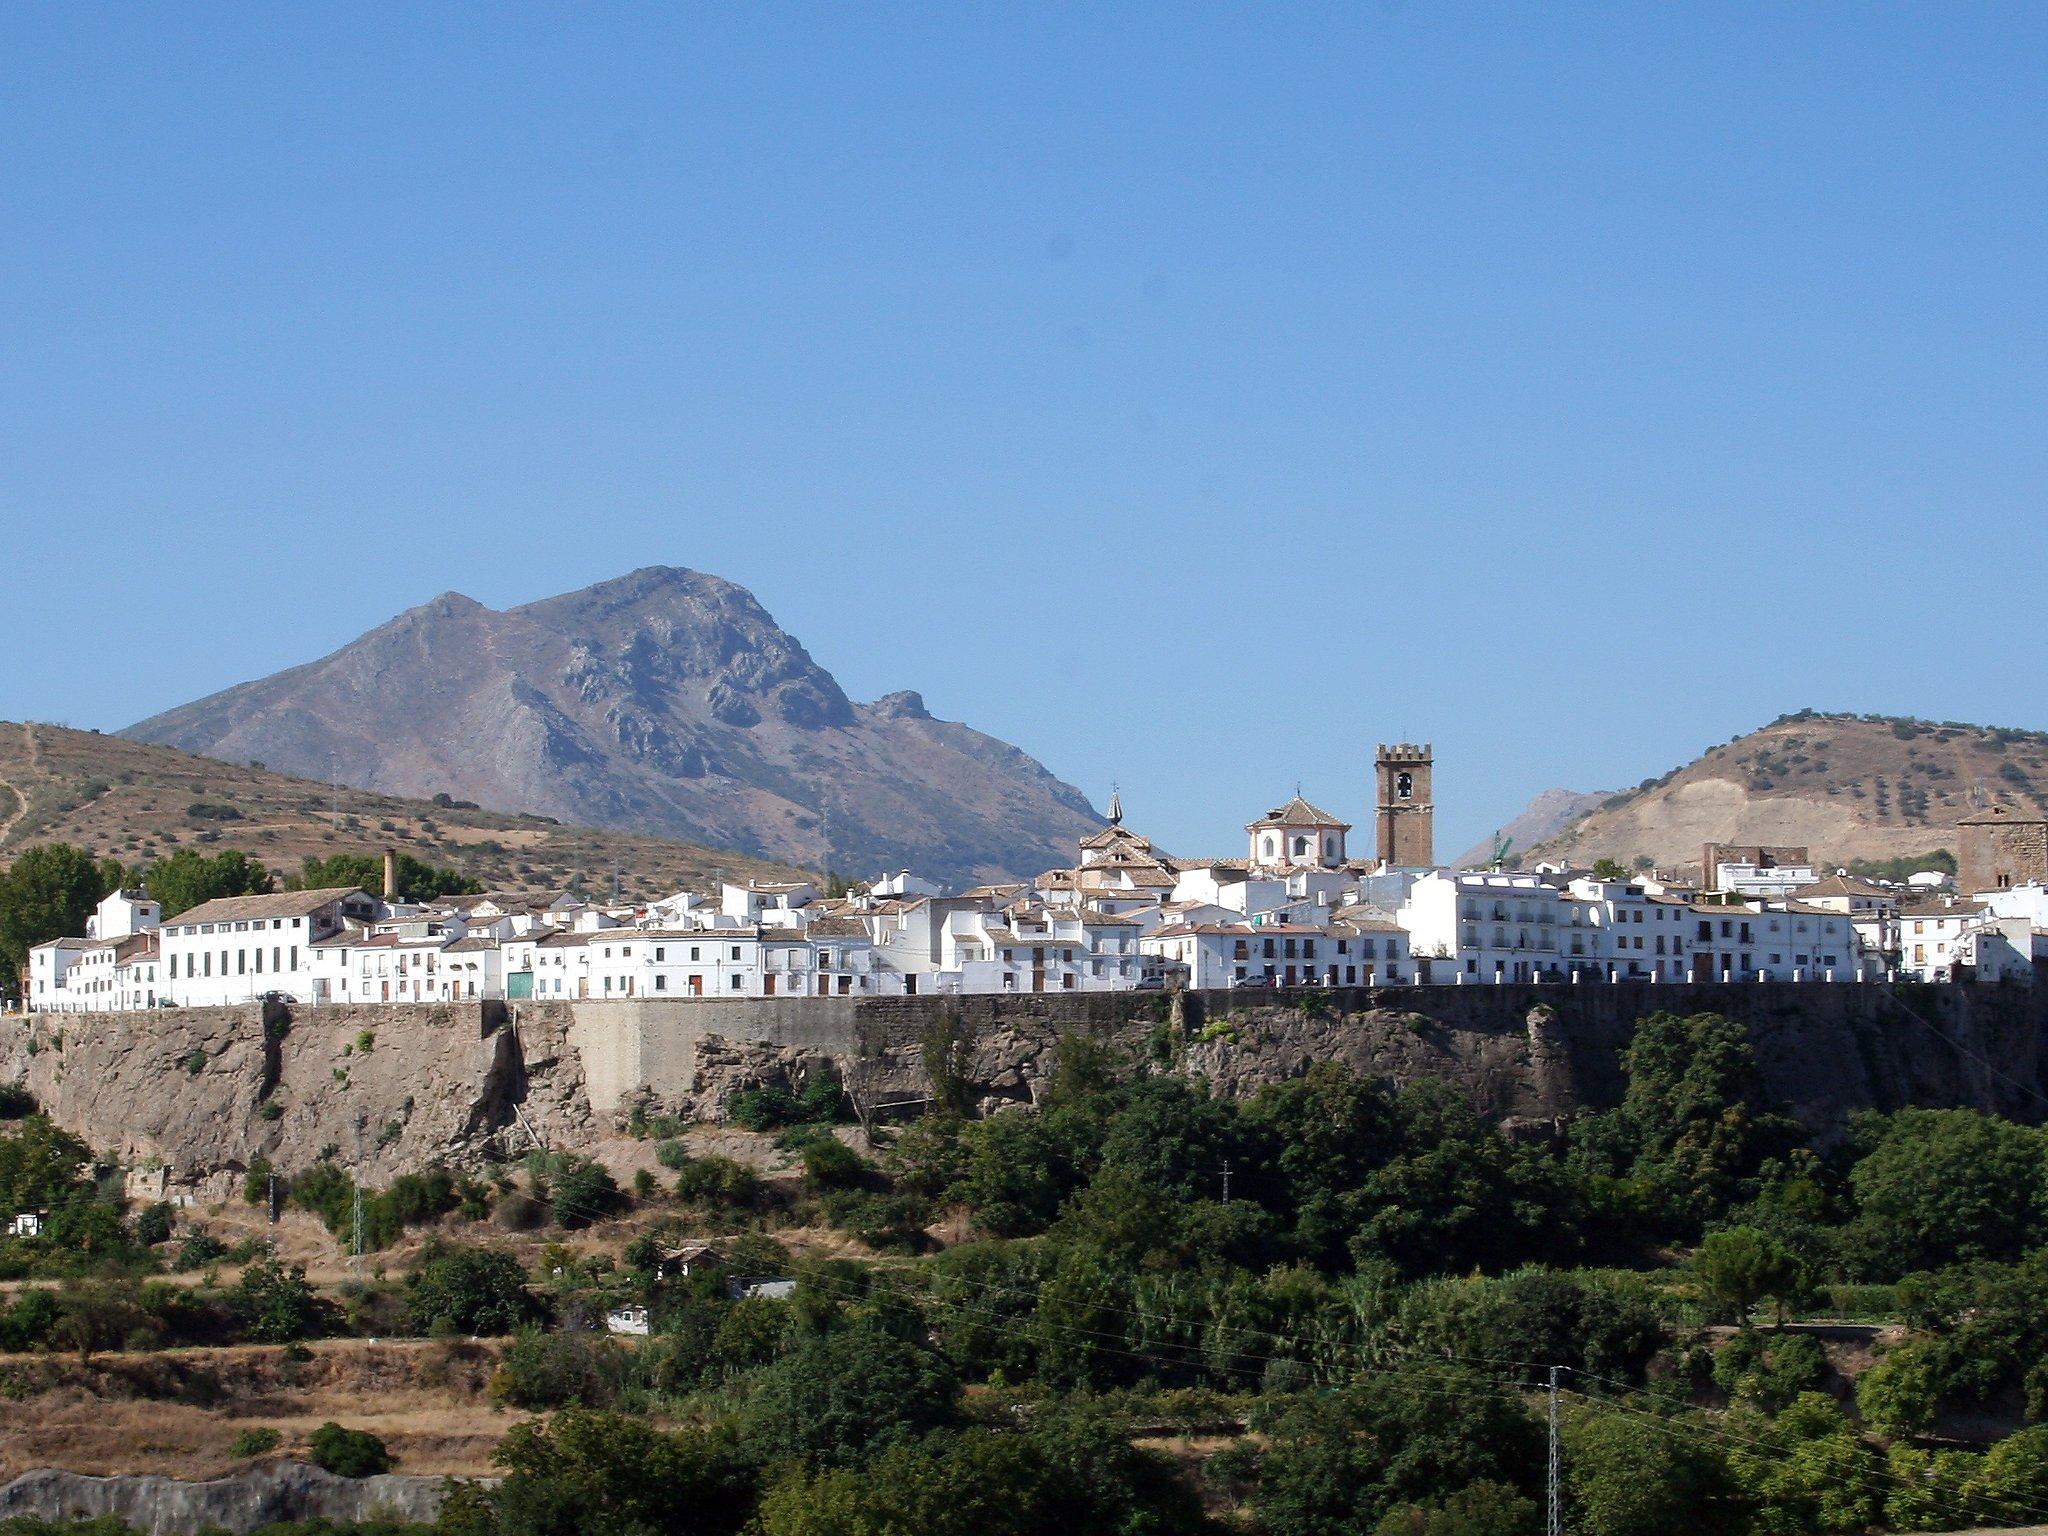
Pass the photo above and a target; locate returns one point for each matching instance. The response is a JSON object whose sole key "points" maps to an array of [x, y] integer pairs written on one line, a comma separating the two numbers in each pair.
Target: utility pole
{"points": [[1226, 1181], [355, 1262], [272, 1201], [1556, 1527]]}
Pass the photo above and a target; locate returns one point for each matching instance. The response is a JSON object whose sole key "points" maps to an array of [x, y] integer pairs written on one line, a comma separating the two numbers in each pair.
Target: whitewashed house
{"points": [[238, 948]]}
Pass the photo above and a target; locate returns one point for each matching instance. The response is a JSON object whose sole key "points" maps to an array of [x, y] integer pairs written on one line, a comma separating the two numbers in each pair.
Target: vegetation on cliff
{"points": [[1326, 1307]]}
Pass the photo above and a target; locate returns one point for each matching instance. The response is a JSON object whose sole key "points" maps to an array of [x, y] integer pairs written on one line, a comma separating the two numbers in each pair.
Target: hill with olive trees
{"points": [[1851, 788], [137, 803]]}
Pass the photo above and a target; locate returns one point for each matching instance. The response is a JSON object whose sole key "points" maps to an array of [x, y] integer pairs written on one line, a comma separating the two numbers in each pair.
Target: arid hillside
{"points": [[138, 802], [1846, 786]]}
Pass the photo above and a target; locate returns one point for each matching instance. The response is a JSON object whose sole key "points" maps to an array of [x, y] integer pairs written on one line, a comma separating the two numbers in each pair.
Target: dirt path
{"points": [[35, 761]]}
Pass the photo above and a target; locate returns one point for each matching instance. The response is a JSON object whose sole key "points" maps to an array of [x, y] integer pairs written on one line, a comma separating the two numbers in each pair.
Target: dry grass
{"points": [[177, 1413]]}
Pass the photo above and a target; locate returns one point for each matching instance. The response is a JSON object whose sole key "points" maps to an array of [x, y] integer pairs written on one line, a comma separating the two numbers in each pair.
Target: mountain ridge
{"points": [[665, 699]]}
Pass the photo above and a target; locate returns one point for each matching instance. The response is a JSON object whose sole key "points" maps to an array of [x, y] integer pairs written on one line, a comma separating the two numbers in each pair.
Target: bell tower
{"points": [[1405, 815]]}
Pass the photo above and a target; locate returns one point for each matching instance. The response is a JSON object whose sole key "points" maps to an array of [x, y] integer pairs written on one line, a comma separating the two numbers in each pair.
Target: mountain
{"points": [[139, 802], [1848, 787], [1537, 822], [667, 701]]}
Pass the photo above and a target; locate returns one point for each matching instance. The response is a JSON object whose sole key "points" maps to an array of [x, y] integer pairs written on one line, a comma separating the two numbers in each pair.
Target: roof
{"points": [[1841, 885], [136, 946], [1298, 813], [1999, 815], [1955, 909], [276, 904]]}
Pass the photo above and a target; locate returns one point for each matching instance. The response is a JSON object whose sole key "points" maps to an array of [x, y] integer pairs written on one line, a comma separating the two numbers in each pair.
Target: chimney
{"points": [[391, 874]]}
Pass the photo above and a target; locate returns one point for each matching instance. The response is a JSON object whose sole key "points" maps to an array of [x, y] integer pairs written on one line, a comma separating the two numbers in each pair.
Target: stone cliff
{"points": [[265, 1495], [192, 1097]]}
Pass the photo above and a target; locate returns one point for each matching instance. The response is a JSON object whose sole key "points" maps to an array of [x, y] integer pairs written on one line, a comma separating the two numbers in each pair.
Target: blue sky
{"points": [[1193, 395]]}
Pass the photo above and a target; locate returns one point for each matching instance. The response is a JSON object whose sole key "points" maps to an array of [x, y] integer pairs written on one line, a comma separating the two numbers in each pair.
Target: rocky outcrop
{"points": [[196, 1095], [666, 701], [181, 1095], [264, 1495]]}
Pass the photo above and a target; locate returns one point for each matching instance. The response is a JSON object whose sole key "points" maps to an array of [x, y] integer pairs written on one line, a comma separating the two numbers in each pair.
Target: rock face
{"points": [[268, 1494], [181, 1094], [453, 1083], [666, 701]]}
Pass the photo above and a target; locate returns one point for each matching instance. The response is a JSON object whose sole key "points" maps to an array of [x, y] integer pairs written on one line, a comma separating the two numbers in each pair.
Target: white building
{"points": [[1483, 927], [1931, 937], [239, 948]]}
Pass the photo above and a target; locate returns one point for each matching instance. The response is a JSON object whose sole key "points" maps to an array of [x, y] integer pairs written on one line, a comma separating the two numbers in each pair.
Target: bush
{"points": [[197, 1251], [153, 1226], [717, 1181], [831, 1164], [467, 1290], [254, 1442], [558, 1370], [347, 1452]]}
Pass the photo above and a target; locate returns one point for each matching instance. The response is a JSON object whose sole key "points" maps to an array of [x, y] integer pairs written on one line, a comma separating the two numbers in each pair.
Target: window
{"points": [[661, 983]]}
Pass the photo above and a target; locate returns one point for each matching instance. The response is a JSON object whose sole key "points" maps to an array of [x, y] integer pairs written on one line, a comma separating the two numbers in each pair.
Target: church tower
{"points": [[1406, 808]]}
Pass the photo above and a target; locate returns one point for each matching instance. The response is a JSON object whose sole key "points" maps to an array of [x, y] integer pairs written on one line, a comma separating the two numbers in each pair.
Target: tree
{"points": [[187, 878], [1608, 869], [95, 1316], [1484, 1509], [838, 1399], [467, 1290], [275, 1304], [42, 1166], [47, 893], [417, 880], [1946, 1186], [584, 1473], [347, 1452], [1341, 1461], [1633, 1476], [982, 1483], [1740, 1266]]}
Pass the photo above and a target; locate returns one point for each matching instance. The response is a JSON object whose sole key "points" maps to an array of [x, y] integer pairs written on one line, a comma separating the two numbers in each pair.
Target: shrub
{"points": [[467, 1290], [558, 1370], [153, 1226], [197, 1251], [831, 1164], [254, 1442], [347, 1452]]}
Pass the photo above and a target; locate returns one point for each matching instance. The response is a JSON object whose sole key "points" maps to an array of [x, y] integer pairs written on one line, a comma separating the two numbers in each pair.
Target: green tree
{"points": [[1946, 1186], [347, 1452], [1632, 1476], [417, 880], [47, 893], [1741, 1266], [838, 1399], [1338, 1462], [275, 1304], [186, 878], [1484, 1509], [584, 1473], [467, 1290], [42, 1166]]}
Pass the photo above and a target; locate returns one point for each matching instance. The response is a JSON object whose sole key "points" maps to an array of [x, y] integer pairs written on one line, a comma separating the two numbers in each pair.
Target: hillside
{"points": [[665, 700], [1537, 822], [1846, 786], [135, 801]]}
